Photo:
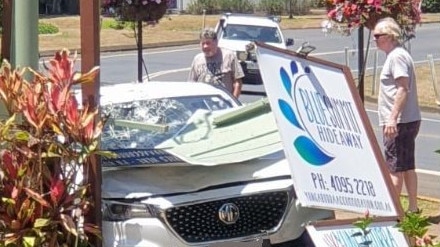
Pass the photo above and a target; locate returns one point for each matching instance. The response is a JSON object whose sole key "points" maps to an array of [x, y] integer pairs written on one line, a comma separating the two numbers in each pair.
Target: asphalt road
{"points": [[172, 64]]}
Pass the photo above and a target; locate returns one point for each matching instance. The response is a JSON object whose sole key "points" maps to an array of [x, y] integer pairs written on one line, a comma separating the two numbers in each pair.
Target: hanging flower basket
{"points": [[150, 11], [351, 14], [374, 17]]}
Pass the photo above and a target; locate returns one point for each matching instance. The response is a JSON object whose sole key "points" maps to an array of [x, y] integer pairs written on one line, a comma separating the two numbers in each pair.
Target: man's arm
{"points": [[400, 98], [236, 91], [192, 76], [238, 75]]}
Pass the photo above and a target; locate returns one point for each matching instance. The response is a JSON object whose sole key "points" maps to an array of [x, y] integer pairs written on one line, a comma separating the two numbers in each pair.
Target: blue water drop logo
{"points": [[307, 148]]}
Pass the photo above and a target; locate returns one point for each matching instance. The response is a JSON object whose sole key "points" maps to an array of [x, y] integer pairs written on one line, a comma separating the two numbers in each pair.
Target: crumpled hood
{"points": [[147, 181], [240, 45]]}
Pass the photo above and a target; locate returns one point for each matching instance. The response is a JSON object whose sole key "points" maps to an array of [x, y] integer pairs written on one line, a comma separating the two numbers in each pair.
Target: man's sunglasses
{"points": [[378, 35]]}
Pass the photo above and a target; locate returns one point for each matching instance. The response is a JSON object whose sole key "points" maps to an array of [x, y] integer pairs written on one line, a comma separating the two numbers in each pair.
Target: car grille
{"points": [[201, 222]]}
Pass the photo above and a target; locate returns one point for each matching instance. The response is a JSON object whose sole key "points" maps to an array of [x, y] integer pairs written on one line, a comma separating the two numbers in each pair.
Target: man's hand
{"points": [[390, 130]]}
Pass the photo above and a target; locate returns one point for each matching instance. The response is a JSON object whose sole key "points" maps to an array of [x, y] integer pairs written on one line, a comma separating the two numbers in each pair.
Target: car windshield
{"points": [[146, 123], [255, 33]]}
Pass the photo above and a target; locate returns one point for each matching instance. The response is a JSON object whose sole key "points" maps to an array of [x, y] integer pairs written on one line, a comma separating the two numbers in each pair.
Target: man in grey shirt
{"points": [[398, 107], [215, 65]]}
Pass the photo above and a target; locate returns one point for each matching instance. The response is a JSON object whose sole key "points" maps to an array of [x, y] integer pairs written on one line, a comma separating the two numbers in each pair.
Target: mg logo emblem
{"points": [[229, 213]]}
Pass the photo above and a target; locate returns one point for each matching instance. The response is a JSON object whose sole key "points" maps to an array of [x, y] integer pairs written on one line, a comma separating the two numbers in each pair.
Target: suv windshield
{"points": [[257, 33], [147, 123]]}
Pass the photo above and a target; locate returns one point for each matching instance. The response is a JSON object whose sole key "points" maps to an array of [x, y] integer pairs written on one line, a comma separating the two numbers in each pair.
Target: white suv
{"points": [[236, 31], [194, 167]]}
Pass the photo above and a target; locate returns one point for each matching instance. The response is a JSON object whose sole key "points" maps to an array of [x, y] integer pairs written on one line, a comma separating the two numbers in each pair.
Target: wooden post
{"points": [[7, 29], [90, 51], [361, 61]]}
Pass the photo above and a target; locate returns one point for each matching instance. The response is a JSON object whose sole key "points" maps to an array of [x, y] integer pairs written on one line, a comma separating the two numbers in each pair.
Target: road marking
{"points": [[423, 118], [428, 172]]}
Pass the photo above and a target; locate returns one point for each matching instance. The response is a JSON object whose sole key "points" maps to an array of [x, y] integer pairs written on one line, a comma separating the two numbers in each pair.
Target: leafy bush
{"points": [[236, 6], [430, 6], [46, 142], [47, 28], [115, 24], [319, 3], [272, 7], [196, 7]]}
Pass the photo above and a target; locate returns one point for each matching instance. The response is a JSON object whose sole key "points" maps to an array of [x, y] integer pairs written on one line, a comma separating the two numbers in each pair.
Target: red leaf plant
{"points": [[45, 139]]}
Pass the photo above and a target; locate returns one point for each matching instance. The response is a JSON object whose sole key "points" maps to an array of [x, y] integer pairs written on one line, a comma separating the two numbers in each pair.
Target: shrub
{"points": [[236, 6], [430, 6], [319, 3], [115, 24], [46, 141], [196, 7], [47, 28], [272, 7]]}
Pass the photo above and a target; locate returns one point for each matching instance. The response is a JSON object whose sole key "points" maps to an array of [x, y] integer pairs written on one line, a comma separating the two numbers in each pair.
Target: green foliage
{"points": [[414, 224], [319, 3], [236, 6], [430, 6], [364, 223], [42, 153], [196, 7], [272, 7], [47, 28], [115, 24]]}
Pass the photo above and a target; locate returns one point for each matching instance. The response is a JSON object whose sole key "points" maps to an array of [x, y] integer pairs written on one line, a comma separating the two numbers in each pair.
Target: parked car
{"points": [[195, 167], [237, 31]]}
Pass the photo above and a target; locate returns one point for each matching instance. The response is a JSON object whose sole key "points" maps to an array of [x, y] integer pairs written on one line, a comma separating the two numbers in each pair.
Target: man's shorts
{"points": [[399, 151]]}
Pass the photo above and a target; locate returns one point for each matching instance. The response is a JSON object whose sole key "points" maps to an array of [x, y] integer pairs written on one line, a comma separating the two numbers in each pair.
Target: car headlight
{"points": [[242, 55], [119, 211]]}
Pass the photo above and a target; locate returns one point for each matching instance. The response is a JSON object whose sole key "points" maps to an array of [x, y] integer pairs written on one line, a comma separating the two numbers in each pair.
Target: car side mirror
{"points": [[289, 42], [222, 24]]}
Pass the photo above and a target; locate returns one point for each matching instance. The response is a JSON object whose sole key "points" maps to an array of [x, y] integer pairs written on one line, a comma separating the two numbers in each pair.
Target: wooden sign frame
{"points": [[327, 136]]}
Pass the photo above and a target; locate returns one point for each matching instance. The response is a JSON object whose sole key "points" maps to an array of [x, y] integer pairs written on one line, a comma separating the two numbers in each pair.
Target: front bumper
{"points": [[193, 219]]}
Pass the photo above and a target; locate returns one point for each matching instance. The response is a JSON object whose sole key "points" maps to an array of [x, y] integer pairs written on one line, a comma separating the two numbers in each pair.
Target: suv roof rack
{"points": [[271, 17]]}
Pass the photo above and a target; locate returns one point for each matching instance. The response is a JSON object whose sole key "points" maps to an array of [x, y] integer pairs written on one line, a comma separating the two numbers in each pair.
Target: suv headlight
{"points": [[119, 211]]}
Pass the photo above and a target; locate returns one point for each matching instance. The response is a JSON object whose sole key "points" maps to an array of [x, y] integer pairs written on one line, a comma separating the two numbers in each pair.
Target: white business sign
{"points": [[334, 157]]}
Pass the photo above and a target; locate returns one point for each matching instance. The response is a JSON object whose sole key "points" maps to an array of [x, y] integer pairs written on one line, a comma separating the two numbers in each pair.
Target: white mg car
{"points": [[195, 168]]}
